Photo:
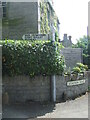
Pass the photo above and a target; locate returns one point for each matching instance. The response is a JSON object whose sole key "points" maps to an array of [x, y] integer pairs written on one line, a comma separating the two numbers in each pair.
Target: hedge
{"points": [[31, 58]]}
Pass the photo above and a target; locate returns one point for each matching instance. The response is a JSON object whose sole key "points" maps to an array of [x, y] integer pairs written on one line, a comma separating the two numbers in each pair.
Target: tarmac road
{"points": [[77, 108]]}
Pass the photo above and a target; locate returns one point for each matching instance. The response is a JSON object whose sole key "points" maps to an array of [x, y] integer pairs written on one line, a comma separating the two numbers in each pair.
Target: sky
{"points": [[73, 17]]}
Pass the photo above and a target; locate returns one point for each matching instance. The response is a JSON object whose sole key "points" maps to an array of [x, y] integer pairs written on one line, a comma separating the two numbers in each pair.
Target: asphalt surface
{"points": [[77, 108], [71, 109]]}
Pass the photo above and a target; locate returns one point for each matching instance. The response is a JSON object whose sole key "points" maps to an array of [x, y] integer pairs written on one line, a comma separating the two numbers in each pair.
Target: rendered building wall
{"points": [[22, 18]]}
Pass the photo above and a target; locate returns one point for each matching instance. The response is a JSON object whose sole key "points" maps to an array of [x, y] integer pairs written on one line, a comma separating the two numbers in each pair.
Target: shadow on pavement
{"points": [[25, 111]]}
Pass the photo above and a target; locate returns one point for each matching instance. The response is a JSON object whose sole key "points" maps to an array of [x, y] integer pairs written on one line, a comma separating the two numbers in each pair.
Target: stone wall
{"points": [[69, 91], [22, 18], [72, 56], [23, 88]]}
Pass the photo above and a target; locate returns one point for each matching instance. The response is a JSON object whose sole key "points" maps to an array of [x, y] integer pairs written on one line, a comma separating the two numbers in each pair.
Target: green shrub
{"points": [[76, 70], [86, 67], [82, 67], [31, 58], [79, 68]]}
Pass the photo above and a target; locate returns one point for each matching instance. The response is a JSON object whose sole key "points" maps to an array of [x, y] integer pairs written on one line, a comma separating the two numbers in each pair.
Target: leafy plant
{"points": [[76, 70], [44, 17], [82, 66], [86, 67], [79, 68], [31, 58], [56, 36]]}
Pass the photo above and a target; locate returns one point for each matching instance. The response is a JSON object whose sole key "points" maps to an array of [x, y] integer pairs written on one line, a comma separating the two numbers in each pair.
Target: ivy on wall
{"points": [[56, 27], [44, 20], [44, 17]]}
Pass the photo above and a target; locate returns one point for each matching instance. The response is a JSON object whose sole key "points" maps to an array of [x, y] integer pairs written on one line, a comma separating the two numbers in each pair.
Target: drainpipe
{"points": [[53, 88], [53, 80]]}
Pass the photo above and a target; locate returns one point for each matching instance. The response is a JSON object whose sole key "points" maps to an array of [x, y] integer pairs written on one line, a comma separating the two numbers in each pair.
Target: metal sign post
{"points": [[53, 79]]}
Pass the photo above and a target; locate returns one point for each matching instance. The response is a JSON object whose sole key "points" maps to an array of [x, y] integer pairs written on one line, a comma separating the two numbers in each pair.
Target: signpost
{"points": [[35, 37], [53, 77]]}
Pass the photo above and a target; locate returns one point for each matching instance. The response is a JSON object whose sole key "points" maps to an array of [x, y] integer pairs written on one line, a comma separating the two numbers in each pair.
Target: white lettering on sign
{"points": [[35, 37], [78, 82]]}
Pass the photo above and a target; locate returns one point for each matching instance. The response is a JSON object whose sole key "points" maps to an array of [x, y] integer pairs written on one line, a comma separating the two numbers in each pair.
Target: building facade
{"points": [[66, 42], [21, 18], [88, 31], [0, 20]]}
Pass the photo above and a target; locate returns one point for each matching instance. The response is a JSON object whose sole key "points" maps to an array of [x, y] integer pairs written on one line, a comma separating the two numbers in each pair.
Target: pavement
{"points": [[77, 108]]}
